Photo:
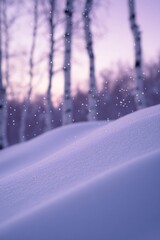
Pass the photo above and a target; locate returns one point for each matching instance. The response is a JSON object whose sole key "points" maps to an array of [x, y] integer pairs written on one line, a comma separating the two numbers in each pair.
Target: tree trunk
{"points": [[2, 91], [67, 104], [48, 118], [9, 89], [89, 46], [31, 74], [139, 88]]}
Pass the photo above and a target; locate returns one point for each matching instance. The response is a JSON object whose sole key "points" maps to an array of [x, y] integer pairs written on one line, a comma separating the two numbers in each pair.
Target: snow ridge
{"points": [[96, 174]]}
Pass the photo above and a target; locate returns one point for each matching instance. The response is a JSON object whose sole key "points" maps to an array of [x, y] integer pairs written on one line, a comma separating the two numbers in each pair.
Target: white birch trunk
{"points": [[2, 91], [48, 117], [67, 104], [31, 74], [138, 86], [89, 46], [6, 43], [7, 76]]}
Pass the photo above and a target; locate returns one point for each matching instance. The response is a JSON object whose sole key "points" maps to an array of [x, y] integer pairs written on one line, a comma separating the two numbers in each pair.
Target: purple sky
{"points": [[118, 41]]}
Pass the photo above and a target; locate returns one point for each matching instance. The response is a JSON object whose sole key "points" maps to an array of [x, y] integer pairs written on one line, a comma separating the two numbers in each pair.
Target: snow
{"points": [[85, 181]]}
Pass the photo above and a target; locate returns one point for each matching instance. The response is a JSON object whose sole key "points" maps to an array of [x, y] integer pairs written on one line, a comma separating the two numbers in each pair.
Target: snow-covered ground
{"points": [[86, 181]]}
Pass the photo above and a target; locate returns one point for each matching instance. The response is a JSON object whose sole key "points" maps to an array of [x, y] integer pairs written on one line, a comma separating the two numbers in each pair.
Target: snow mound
{"points": [[85, 181]]}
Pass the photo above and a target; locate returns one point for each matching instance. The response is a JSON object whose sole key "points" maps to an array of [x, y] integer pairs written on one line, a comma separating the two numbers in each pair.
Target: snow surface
{"points": [[85, 181]]}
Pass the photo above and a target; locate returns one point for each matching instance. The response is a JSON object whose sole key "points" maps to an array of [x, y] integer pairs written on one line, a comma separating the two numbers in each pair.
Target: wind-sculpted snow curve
{"points": [[88, 187]]}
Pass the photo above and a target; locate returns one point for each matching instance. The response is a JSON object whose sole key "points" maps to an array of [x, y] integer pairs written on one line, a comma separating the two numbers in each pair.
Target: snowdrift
{"points": [[85, 181]]}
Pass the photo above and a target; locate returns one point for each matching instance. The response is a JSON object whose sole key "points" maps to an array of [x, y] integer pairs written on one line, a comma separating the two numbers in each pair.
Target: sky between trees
{"points": [[112, 43]]}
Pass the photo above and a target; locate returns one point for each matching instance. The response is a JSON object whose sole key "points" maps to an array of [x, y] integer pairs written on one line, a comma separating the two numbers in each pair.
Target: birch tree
{"points": [[67, 104], [31, 74], [138, 85], [6, 27], [2, 90], [48, 118], [6, 43], [89, 47]]}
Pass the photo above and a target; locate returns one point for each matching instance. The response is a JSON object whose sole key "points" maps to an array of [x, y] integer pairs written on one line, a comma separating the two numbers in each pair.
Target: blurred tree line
{"points": [[114, 100]]}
